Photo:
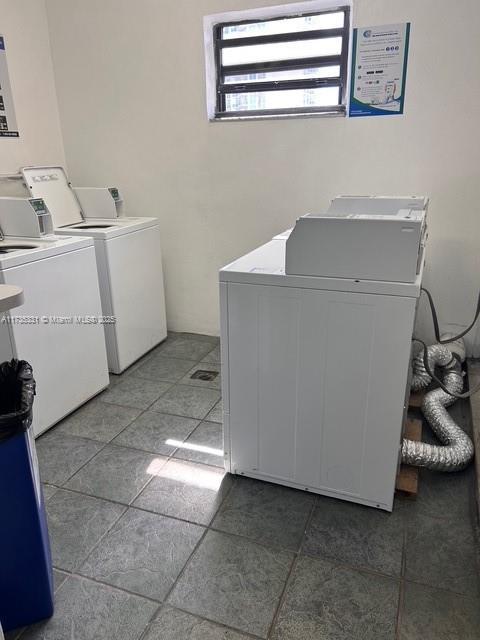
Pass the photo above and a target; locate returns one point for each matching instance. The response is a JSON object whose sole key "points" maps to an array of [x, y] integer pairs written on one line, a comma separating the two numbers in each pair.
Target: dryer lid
{"points": [[51, 184]]}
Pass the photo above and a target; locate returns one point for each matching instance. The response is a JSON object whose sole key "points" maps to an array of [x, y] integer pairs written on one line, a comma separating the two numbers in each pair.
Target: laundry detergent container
{"points": [[26, 580]]}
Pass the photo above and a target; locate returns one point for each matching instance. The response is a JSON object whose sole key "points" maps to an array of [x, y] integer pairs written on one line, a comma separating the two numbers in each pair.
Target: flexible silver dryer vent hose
{"points": [[456, 450]]}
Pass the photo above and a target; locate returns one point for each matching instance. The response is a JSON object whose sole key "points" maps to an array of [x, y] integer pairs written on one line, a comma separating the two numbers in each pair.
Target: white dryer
{"points": [[53, 330], [316, 359], [128, 255]]}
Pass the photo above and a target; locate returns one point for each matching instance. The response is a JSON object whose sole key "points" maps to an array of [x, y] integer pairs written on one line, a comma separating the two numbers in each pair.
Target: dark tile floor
{"points": [[152, 541]]}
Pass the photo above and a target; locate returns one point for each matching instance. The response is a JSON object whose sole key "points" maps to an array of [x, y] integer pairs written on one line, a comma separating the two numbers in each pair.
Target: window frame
{"points": [[340, 60]]}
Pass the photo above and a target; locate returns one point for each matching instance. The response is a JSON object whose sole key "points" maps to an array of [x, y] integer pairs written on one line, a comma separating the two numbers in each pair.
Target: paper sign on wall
{"points": [[8, 121], [379, 70]]}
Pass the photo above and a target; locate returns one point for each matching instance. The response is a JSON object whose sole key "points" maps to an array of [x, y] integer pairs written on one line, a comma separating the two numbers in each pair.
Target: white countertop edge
{"points": [[10, 297]]}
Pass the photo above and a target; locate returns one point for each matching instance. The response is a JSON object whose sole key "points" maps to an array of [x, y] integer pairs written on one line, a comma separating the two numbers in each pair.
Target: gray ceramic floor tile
{"points": [[356, 535], [204, 445], [76, 523], [186, 490], [213, 356], [438, 615], [327, 601], [211, 369], [213, 340], [133, 368], [117, 474], [265, 512], [172, 624], [185, 347], [85, 610], [135, 392], [116, 378], [48, 491], [152, 430], [61, 455], [442, 554], [98, 420], [59, 578], [442, 495], [216, 414], [233, 581], [187, 401], [143, 553], [161, 368]]}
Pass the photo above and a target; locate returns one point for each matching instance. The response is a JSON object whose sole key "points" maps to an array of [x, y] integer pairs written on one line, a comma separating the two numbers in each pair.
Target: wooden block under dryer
{"points": [[407, 478]]}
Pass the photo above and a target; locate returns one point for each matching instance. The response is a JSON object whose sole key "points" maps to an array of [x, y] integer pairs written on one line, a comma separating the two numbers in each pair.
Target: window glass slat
{"points": [[288, 74], [284, 25], [281, 51], [285, 99]]}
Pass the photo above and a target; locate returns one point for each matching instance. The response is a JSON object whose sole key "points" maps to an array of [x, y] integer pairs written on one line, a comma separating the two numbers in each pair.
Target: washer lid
{"points": [[11, 247], [18, 251], [106, 228], [51, 184]]}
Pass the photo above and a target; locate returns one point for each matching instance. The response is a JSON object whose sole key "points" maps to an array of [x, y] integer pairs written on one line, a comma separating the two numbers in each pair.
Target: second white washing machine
{"points": [[128, 255]]}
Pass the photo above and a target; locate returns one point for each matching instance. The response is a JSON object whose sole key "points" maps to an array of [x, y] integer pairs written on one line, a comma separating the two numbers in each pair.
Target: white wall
{"points": [[24, 25], [131, 89]]}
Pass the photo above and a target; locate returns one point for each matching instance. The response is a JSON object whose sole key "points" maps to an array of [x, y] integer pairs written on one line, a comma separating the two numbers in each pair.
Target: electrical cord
{"points": [[436, 327], [435, 319]]}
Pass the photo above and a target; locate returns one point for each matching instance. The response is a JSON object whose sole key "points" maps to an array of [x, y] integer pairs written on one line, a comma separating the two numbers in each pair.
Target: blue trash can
{"points": [[26, 578]]}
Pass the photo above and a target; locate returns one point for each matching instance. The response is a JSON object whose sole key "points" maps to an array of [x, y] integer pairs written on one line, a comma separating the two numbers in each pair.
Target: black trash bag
{"points": [[17, 390]]}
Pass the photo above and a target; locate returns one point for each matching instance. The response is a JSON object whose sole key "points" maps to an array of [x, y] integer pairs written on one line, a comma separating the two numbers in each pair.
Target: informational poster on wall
{"points": [[8, 121], [379, 70]]}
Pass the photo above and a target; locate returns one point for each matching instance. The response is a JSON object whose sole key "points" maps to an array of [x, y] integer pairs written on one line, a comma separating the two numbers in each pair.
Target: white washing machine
{"points": [[315, 360], [52, 330], [129, 260]]}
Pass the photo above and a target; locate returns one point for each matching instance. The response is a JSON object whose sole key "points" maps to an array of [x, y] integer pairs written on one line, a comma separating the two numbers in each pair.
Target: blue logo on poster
{"points": [[367, 33], [2, 43]]}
